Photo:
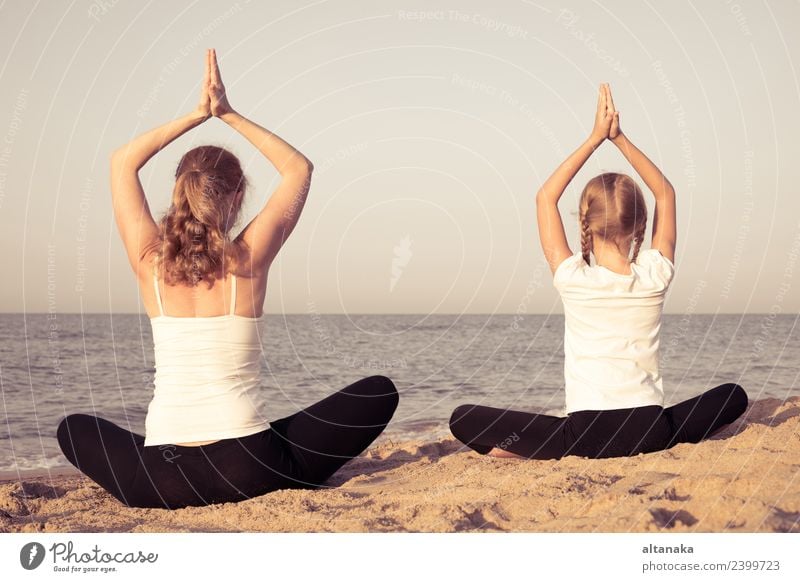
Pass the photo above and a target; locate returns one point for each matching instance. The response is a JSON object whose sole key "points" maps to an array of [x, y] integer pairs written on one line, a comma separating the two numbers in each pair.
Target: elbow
{"points": [[542, 198], [114, 157], [306, 167], [300, 168], [117, 157], [122, 159], [667, 193]]}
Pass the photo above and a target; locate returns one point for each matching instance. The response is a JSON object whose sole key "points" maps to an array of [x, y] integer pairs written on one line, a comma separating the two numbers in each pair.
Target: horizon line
{"points": [[392, 313]]}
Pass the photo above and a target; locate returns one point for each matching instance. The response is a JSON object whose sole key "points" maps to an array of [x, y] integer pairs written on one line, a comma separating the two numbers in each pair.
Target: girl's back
{"points": [[612, 319], [611, 331]]}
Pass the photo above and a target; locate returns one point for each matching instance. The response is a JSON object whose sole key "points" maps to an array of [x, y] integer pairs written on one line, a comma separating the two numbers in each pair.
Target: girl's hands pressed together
{"points": [[604, 116], [216, 90], [614, 131]]}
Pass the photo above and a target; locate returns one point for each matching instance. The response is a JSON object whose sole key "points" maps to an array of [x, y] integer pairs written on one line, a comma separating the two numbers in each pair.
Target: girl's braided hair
{"points": [[612, 207]]}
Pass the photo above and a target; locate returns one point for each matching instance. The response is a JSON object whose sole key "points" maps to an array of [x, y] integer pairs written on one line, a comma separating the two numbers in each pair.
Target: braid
{"points": [[586, 239], [638, 237]]}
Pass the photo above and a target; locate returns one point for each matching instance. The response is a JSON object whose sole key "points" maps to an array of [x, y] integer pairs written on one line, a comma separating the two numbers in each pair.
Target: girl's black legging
{"points": [[598, 433], [296, 452]]}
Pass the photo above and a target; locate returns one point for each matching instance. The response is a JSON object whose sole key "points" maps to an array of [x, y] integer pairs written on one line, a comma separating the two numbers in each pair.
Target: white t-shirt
{"points": [[611, 332]]}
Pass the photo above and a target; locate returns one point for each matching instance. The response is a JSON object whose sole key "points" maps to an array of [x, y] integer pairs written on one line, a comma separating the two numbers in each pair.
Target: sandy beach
{"points": [[743, 479]]}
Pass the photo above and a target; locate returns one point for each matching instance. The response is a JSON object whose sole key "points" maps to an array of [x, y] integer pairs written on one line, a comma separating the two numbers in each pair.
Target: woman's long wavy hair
{"points": [[612, 207], [193, 241]]}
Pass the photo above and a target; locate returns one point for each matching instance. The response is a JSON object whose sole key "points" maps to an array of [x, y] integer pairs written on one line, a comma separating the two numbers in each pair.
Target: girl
{"points": [[612, 318], [205, 439]]}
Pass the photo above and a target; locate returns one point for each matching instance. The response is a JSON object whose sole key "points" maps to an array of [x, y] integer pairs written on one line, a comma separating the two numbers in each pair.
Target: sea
{"points": [[54, 364]]}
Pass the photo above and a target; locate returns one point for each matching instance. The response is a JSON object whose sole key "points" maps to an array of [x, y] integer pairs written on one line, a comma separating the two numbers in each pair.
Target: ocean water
{"points": [[56, 364]]}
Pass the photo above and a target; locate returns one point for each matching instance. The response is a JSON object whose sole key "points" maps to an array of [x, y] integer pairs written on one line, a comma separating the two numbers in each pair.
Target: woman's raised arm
{"points": [[136, 153], [267, 232], [551, 228], [135, 222]]}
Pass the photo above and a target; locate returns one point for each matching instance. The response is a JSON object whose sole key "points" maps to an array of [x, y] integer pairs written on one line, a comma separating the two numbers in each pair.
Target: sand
{"points": [[743, 479]]}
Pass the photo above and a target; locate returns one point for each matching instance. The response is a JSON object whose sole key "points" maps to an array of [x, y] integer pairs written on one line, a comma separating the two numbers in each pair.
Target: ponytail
{"points": [[194, 232]]}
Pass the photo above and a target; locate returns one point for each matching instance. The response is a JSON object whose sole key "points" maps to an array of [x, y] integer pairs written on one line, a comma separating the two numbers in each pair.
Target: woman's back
{"points": [[200, 301], [207, 376], [611, 331]]}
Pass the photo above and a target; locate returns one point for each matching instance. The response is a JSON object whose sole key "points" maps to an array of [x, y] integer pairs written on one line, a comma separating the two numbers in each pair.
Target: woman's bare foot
{"points": [[503, 454]]}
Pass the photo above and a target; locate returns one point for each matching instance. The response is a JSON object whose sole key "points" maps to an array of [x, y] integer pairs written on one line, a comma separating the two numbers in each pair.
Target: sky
{"points": [[431, 126]]}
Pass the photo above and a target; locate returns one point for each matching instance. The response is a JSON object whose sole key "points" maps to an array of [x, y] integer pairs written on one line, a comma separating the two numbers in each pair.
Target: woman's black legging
{"points": [[298, 452], [598, 433]]}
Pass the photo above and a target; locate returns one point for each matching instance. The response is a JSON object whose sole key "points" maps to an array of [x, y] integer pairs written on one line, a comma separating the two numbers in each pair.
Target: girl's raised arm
{"points": [[270, 228], [664, 216], [551, 229]]}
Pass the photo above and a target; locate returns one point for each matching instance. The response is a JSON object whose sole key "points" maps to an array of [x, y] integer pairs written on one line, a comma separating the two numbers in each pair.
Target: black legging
{"points": [[298, 452], [598, 433]]}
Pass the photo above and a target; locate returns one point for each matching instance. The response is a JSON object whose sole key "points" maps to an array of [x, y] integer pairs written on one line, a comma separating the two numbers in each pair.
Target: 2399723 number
{"points": [[755, 565]]}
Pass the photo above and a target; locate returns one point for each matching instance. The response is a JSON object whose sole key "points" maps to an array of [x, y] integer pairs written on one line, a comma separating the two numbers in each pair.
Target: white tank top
{"points": [[611, 332], [207, 377]]}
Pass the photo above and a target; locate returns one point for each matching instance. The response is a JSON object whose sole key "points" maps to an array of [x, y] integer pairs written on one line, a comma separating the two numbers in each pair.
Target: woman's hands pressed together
{"points": [[204, 106], [216, 89], [213, 98]]}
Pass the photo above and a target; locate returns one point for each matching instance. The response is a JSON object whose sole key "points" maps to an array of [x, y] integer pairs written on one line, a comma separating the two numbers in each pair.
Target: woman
{"points": [[205, 439], [612, 320]]}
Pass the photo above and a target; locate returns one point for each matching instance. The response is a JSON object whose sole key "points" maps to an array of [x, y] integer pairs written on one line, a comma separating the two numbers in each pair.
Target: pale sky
{"points": [[430, 133]]}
